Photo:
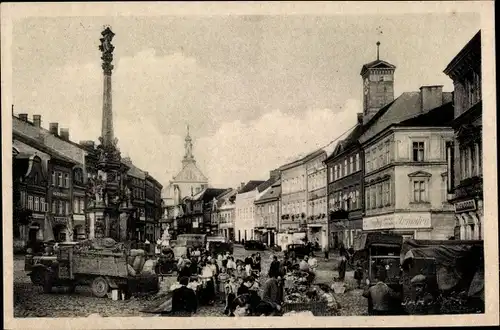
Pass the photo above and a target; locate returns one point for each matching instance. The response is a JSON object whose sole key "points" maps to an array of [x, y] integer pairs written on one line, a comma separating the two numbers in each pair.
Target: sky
{"points": [[255, 90]]}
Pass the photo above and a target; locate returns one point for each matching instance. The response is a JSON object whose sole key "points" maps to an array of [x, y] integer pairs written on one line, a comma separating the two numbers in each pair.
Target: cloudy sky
{"points": [[256, 90]]}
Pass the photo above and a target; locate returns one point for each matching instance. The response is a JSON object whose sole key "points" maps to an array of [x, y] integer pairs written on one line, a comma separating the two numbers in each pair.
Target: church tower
{"points": [[188, 150], [378, 86]]}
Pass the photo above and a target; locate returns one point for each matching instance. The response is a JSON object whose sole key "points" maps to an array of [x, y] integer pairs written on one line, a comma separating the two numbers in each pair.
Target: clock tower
{"points": [[378, 86]]}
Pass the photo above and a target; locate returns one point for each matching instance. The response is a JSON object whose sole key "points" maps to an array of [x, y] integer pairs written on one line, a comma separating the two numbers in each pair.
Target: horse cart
{"points": [[101, 269]]}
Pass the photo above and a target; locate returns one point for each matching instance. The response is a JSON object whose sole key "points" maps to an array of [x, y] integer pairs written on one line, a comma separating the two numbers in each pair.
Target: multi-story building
{"points": [[152, 207], [137, 187], [317, 224], [465, 175], [245, 210], [345, 189], [293, 196], [405, 166], [197, 214], [267, 209], [223, 213]]}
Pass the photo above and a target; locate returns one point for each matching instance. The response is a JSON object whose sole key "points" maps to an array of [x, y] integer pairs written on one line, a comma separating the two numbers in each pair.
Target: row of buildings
{"points": [[52, 178], [411, 165]]}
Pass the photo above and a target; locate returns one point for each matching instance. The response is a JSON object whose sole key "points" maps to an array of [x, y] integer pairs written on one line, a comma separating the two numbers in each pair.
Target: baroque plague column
{"points": [[109, 196]]}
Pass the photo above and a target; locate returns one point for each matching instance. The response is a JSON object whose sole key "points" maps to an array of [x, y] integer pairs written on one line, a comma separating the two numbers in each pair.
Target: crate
{"points": [[318, 308]]}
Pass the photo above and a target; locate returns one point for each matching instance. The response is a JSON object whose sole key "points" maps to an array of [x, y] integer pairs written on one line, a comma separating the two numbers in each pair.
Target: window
{"points": [[368, 161], [356, 163], [379, 195], [42, 205], [30, 202], [61, 207], [419, 191], [358, 200], [418, 151], [386, 199], [367, 198], [76, 204], [53, 178], [387, 152], [66, 180], [381, 156], [335, 172], [345, 167], [351, 164], [37, 204], [373, 194], [54, 208]]}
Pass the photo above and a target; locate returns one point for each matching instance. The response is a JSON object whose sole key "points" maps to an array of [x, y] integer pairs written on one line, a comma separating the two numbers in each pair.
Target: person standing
{"points": [[380, 296], [184, 299], [343, 255], [230, 289], [274, 268], [270, 302]]}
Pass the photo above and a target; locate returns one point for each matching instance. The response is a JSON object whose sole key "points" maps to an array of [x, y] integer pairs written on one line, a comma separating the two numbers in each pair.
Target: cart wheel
{"points": [[100, 287], [47, 282]]}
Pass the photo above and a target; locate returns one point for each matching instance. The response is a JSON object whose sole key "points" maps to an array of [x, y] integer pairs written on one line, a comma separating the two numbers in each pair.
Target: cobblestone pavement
{"points": [[30, 301]]}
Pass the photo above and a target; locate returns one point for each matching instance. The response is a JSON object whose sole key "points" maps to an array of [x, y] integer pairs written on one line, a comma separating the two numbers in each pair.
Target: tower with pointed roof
{"points": [[190, 180], [378, 85]]}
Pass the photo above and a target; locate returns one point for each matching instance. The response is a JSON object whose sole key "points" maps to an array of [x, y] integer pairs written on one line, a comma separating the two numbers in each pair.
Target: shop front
{"points": [[469, 219], [415, 225], [79, 227]]}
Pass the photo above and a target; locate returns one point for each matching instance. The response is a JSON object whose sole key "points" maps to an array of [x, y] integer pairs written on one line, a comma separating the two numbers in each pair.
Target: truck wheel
{"points": [[47, 282], [37, 277], [100, 287]]}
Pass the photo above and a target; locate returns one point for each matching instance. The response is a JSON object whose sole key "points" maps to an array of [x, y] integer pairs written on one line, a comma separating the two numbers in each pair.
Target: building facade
{"points": [[466, 153], [405, 166], [293, 197], [345, 190], [224, 213], [137, 187], [267, 208], [245, 210], [316, 214]]}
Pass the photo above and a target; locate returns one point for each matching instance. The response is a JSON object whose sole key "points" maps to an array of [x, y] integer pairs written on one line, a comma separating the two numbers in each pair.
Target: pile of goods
{"points": [[301, 296]]}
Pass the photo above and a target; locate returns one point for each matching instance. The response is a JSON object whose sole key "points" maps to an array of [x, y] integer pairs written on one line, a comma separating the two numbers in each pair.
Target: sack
{"points": [[131, 271]]}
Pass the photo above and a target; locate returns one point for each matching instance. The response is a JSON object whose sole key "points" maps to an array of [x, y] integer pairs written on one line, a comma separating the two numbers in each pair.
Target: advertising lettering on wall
{"points": [[398, 221], [465, 206]]}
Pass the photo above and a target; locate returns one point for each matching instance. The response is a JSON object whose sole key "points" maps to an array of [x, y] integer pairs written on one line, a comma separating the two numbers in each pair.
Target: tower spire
{"points": [[188, 148], [378, 50]]}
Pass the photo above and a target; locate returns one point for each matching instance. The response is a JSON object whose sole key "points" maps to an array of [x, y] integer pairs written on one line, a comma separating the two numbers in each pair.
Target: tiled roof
{"points": [[40, 146], [251, 185], [272, 193], [440, 116], [406, 106], [266, 184]]}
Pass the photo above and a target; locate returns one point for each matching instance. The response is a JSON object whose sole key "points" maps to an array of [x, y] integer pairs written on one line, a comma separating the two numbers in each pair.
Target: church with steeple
{"points": [[190, 180]]}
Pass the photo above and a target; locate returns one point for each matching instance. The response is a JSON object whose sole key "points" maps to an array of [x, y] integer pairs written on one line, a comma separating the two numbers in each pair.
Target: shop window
{"points": [[418, 151]]}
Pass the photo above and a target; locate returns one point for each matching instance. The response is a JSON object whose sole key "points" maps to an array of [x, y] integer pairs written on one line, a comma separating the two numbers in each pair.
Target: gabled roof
{"points": [[406, 106], [190, 173], [251, 185], [348, 142], [377, 64], [208, 194], [225, 196], [273, 193], [266, 184], [42, 147]]}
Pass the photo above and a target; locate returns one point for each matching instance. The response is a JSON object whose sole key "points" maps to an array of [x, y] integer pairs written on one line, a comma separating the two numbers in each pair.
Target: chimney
{"points": [[37, 120], [64, 134], [431, 97], [54, 128], [23, 116], [242, 184], [360, 118]]}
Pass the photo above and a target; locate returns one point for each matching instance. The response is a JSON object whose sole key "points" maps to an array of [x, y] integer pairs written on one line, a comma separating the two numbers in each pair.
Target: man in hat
{"points": [[380, 296]]}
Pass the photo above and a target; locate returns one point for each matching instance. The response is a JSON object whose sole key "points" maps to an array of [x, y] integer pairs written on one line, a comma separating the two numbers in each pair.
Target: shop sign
{"points": [[59, 194], [78, 217], [142, 218], [465, 206], [398, 221]]}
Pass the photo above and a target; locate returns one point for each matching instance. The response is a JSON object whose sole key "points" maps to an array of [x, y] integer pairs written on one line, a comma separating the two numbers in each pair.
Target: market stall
{"points": [[301, 295]]}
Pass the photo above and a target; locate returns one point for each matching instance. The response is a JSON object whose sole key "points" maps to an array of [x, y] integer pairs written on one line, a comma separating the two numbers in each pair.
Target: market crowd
{"points": [[242, 286]]}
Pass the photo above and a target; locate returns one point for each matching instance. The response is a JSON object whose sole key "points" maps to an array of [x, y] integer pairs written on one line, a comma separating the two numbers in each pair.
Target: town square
{"points": [[248, 166]]}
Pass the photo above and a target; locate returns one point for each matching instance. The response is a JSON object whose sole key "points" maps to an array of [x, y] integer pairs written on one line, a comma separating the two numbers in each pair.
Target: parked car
{"points": [[254, 245]]}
